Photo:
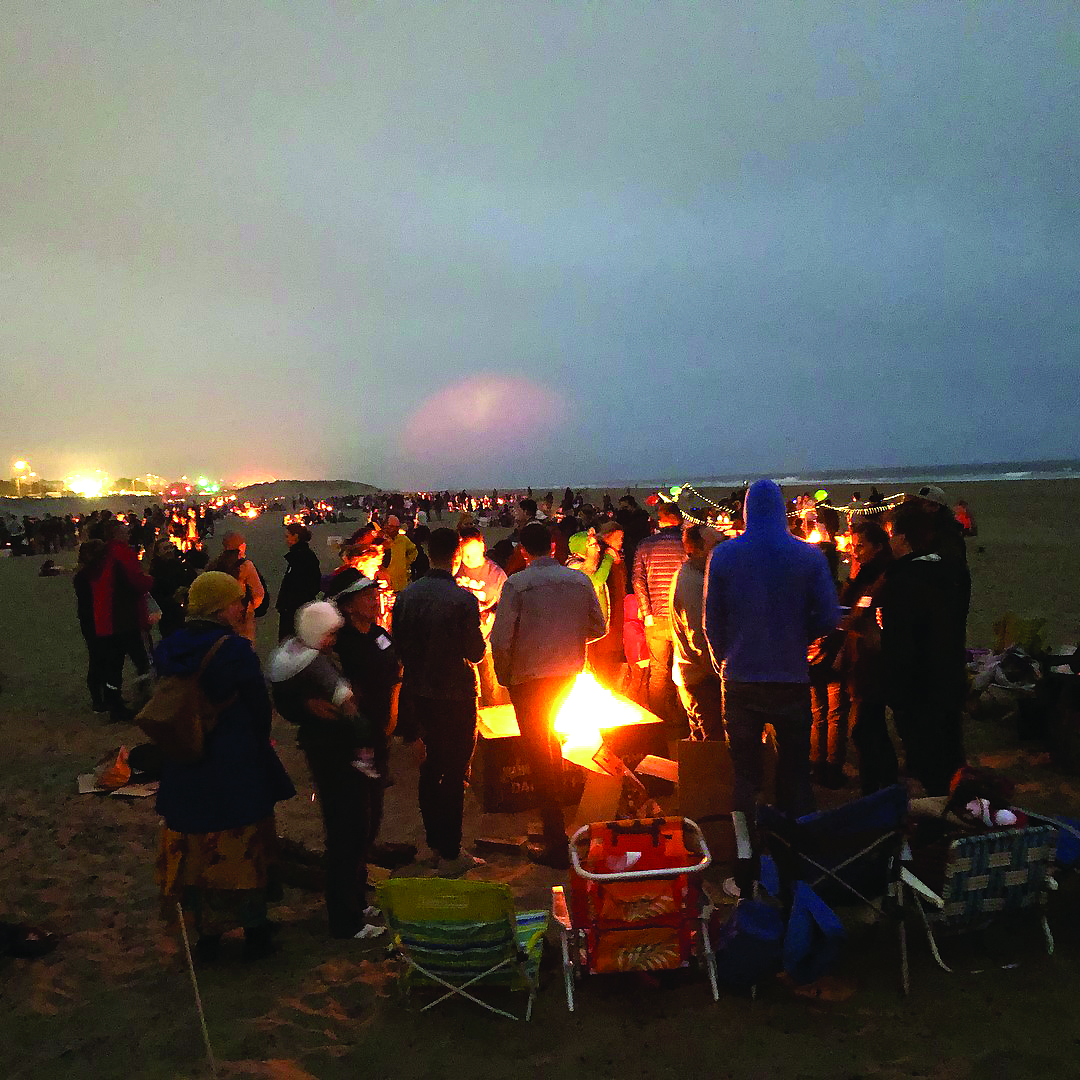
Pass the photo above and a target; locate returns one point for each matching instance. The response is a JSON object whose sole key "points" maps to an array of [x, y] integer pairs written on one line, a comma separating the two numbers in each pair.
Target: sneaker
{"points": [[372, 912], [369, 930], [451, 868]]}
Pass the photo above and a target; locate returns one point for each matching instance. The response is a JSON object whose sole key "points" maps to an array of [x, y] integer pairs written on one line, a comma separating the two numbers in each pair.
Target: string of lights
{"points": [[676, 491]]}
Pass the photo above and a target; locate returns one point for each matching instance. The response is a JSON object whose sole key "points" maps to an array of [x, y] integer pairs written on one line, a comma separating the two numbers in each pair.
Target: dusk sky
{"points": [[505, 243]]}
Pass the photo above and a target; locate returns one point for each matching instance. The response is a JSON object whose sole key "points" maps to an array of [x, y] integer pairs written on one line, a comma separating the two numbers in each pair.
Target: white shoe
{"points": [[452, 868], [731, 889], [368, 931]]}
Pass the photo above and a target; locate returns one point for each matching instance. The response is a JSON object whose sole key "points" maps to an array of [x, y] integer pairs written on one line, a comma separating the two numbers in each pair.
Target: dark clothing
{"points": [[170, 574], [748, 707], [299, 586], [239, 778], [345, 797], [339, 579], [922, 639], [536, 703], [448, 728], [704, 705], [370, 664], [767, 596], [437, 634], [635, 525]]}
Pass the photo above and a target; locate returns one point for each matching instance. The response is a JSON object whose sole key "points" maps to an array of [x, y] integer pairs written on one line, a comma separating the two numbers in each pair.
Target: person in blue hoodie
{"points": [[218, 837], [768, 595]]}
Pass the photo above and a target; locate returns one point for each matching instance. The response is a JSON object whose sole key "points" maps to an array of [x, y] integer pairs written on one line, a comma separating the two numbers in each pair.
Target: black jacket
{"points": [[923, 610], [302, 580], [437, 634]]}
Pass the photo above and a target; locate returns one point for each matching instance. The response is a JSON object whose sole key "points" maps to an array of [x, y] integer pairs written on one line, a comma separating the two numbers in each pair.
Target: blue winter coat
{"points": [[767, 596], [239, 778]]}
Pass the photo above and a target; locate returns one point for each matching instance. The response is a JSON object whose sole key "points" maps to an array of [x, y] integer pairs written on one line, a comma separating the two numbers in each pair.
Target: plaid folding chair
{"points": [[461, 934], [985, 876]]}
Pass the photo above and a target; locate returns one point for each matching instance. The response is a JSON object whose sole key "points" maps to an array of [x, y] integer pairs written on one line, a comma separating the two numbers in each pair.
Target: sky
{"points": [[428, 244]]}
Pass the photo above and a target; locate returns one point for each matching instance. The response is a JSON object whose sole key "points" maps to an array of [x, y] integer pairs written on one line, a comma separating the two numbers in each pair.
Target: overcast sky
{"points": [[505, 243]]}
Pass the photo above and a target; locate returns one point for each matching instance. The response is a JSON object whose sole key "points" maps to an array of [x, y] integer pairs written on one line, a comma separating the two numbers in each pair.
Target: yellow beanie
{"points": [[211, 592]]}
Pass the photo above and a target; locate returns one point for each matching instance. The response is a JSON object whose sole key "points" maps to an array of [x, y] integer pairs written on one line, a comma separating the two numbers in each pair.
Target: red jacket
{"points": [[118, 591]]}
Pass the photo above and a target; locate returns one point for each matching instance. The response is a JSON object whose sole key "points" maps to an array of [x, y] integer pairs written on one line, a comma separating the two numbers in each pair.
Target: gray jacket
{"points": [[547, 613]]}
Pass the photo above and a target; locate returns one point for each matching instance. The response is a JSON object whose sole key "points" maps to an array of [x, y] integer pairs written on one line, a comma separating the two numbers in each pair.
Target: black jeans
{"points": [[932, 734], [870, 735], [663, 701], [448, 729], [704, 706], [112, 651], [748, 707], [345, 797], [535, 704]]}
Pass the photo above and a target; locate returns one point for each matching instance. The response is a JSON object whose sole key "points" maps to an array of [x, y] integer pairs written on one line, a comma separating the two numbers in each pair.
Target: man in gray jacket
{"points": [[546, 616]]}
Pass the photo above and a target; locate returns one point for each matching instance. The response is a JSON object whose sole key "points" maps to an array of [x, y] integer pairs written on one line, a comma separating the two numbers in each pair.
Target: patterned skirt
{"points": [[221, 878]]}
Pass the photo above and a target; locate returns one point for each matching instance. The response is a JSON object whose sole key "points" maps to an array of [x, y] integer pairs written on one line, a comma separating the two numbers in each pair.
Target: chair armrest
{"points": [[924, 890], [559, 911]]}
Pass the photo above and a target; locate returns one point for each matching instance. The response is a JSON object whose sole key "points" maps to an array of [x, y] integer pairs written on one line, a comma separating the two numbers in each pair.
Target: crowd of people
{"points": [[720, 631]]}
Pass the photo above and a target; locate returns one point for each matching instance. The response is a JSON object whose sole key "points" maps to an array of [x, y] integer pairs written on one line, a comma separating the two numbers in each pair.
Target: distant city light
{"points": [[89, 486]]}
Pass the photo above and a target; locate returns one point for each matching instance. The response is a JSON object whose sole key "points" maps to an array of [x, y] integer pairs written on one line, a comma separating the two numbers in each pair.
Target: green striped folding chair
{"points": [[461, 934]]}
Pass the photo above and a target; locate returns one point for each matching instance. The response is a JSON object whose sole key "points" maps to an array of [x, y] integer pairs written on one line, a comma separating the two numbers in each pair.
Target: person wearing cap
{"points": [[598, 556], [302, 579], [218, 838], [401, 553], [338, 742]]}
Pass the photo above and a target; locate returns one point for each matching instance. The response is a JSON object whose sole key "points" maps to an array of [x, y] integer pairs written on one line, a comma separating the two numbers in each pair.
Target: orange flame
{"points": [[587, 709]]}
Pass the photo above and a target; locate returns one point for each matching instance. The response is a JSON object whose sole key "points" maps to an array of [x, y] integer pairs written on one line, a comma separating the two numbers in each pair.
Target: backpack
{"points": [[179, 715], [264, 604]]}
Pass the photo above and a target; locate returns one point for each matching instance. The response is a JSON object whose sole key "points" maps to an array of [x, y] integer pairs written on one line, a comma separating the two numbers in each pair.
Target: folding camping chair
{"points": [[846, 855], [635, 900], [985, 875], [459, 934]]}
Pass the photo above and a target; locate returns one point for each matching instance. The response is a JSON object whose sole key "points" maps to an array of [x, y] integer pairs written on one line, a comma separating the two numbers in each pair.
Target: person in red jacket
{"points": [[118, 591]]}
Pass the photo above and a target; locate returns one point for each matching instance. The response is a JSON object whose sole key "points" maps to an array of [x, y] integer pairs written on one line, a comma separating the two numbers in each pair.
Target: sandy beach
{"points": [[114, 999]]}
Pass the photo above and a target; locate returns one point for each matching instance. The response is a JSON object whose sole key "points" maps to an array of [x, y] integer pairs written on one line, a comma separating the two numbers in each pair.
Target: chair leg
{"points": [[930, 935], [1049, 937], [567, 968], [710, 959], [905, 976]]}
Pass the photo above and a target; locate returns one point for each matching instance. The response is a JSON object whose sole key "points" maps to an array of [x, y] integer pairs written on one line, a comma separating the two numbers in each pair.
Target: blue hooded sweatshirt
{"points": [[240, 778], [767, 596]]}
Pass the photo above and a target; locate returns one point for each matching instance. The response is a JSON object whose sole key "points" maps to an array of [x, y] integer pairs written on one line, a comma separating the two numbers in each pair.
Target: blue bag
{"points": [[814, 937], [749, 946]]}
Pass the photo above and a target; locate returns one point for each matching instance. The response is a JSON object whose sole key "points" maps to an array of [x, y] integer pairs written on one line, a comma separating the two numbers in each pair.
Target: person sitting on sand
{"points": [[218, 836]]}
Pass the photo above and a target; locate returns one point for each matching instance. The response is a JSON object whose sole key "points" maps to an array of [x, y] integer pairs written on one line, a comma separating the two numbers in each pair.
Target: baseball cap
{"points": [[932, 493]]}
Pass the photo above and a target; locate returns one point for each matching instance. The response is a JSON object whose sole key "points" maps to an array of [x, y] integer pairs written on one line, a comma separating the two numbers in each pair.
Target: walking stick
{"points": [[195, 987]]}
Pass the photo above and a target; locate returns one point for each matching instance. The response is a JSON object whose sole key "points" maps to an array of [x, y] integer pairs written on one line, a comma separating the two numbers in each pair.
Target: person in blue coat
{"points": [[768, 595], [218, 836]]}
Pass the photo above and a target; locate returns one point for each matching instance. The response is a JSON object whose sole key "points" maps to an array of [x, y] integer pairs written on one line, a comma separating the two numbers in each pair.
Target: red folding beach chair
{"points": [[635, 900]]}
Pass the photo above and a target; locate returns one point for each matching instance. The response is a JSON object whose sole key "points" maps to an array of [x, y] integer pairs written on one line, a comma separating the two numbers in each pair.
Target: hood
{"points": [[765, 511], [182, 652], [578, 543], [289, 659]]}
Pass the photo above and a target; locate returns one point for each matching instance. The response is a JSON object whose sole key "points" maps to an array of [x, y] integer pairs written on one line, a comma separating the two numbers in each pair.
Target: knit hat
{"points": [[211, 592], [315, 620]]}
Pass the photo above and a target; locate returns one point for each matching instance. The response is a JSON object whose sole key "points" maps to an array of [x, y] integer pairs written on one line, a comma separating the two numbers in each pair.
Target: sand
{"points": [[114, 999]]}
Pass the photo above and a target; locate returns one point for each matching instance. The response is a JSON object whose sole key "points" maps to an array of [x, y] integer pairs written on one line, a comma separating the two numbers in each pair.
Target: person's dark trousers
{"points": [[344, 797], [663, 700], [286, 624], [95, 672], [878, 767], [535, 704], [748, 707], [448, 729], [704, 705], [932, 734]]}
